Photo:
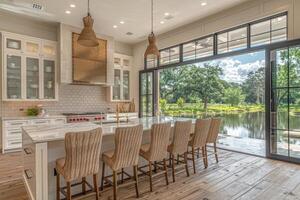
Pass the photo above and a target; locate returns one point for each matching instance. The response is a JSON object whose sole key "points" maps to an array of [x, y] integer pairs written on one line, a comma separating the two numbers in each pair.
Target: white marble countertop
{"points": [[32, 117], [47, 133]]}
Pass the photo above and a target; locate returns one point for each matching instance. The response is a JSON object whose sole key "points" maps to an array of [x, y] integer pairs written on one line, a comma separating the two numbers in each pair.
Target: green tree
{"points": [[204, 82], [163, 105], [254, 86], [233, 96]]}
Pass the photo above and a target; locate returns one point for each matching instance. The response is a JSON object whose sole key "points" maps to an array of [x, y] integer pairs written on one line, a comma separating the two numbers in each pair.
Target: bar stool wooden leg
{"points": [[135, 171], [216, 154], [198, 153], [102, 176], [69, 196], [170, 160], [186, 164], [173, 167], [193, 159], [57, 186], [155, 166], [115, 182], [204, 157], [96, 188], [166, 172], [83, 185], [150, 175], [122, 176]]}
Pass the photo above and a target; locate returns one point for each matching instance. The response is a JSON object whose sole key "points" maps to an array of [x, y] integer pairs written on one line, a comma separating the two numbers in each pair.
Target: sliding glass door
{"points": [[284, 106]]}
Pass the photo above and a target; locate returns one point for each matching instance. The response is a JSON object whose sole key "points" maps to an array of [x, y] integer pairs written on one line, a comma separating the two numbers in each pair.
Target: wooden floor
{"points": [[237, 176]]}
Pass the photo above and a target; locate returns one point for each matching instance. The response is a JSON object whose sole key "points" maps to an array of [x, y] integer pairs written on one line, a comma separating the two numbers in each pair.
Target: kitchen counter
{"points": [[46, 133], [43, 144], [33, 117]]}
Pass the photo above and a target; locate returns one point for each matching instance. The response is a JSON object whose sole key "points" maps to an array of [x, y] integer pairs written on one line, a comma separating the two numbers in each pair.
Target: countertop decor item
{"points": [[152, 51], [87, 36], [32, 111]]}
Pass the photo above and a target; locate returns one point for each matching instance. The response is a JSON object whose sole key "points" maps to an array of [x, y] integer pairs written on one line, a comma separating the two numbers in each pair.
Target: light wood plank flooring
{"points": [[237, 176]]}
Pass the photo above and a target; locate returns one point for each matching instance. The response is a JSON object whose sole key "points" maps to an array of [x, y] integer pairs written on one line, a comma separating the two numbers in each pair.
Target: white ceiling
{"points": [[135, 14]]}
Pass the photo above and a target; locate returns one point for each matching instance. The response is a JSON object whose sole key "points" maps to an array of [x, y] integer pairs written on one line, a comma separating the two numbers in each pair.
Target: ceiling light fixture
{"points": [[152, 50], [68, 12], [122, 22], [72, 5], [87, 36], [162, 22], [167, 14], [115, 26], [203, 4]]}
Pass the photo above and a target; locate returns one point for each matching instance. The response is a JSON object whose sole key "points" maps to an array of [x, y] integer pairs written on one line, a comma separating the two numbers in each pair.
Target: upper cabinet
{"points": [[120, 91], [29, 71]]}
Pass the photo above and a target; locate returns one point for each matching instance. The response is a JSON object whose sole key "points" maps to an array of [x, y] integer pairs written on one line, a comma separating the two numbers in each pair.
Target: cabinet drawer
{"points": [[13, 143], [58, 121], [40, 121], [15, 123], [14, 133]]}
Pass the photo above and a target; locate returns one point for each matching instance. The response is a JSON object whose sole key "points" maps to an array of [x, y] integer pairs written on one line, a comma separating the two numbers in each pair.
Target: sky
{"points": [[236, 68]]}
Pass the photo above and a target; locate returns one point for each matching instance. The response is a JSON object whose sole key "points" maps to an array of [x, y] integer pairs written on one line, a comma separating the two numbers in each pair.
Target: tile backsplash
{"points": [[72, 98]]}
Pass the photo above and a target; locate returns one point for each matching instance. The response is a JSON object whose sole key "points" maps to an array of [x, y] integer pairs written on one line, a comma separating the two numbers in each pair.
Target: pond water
{"points": [[246, 132]]}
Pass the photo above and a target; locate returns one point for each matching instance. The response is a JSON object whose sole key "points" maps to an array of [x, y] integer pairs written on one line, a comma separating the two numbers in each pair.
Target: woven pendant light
{"points": [[87, 36], [152, 51]]}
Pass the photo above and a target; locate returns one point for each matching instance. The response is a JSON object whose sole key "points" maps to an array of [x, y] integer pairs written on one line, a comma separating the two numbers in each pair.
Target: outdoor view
{"points": [[230, 88]]}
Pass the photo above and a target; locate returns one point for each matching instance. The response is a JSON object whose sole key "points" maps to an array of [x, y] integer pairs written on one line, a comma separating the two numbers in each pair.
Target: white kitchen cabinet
{"points": [[120, 91], [29, 71], [12, 130]]}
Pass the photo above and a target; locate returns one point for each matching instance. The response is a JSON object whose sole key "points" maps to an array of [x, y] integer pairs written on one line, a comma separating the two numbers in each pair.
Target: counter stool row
{"points": [[83, 153]]}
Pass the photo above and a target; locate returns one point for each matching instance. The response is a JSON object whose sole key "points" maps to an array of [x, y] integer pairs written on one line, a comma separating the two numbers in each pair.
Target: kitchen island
{"points": [[43, 144]]}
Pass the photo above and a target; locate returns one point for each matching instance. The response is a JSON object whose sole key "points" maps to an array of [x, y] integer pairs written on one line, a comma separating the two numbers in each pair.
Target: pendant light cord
{"points": [[88, 7], [151, 16]]}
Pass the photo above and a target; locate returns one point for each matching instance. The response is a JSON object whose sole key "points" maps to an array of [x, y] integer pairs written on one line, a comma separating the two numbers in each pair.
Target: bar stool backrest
{"points": [[160, 137], [213, 130], [82, 153], [182, 131], [202, 127], [128, 142]]}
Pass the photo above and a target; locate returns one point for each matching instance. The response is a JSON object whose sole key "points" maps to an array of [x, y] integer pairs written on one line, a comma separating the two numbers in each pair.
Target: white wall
{"points": [[241, 14]]}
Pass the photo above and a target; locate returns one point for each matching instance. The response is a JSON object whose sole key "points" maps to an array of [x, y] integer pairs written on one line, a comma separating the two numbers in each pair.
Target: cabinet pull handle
{"points": [[28, 151], [28, 173]]}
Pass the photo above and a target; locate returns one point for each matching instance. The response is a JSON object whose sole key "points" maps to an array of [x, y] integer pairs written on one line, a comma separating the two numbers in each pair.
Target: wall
{"points": [[243, 13]]}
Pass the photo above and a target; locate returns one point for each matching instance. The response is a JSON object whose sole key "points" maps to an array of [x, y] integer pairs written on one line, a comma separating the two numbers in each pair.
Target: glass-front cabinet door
{"points": [[117, 85], [49, 79], [32, 78], [32, 48], [13, 45], [13, 76], [126, 86]]}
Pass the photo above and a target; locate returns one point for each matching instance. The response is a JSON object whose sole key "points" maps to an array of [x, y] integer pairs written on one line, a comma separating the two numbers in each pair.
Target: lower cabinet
{"points": [[12, 131]]}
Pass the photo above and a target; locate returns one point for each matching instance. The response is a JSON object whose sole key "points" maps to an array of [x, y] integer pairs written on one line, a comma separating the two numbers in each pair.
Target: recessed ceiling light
{"points": [[122, 22], [203, 4], [68, 12], [72, 5], [167, 14], [162, 22], [115, 26]]}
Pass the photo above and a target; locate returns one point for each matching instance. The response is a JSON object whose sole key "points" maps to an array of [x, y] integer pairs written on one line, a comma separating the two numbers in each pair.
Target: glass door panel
{"points": [[49, 50], [117, 85], [146, 94], [32, 78], [126, 81], [32, 48], [285, 102], [49, 79], [13, 76]]}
